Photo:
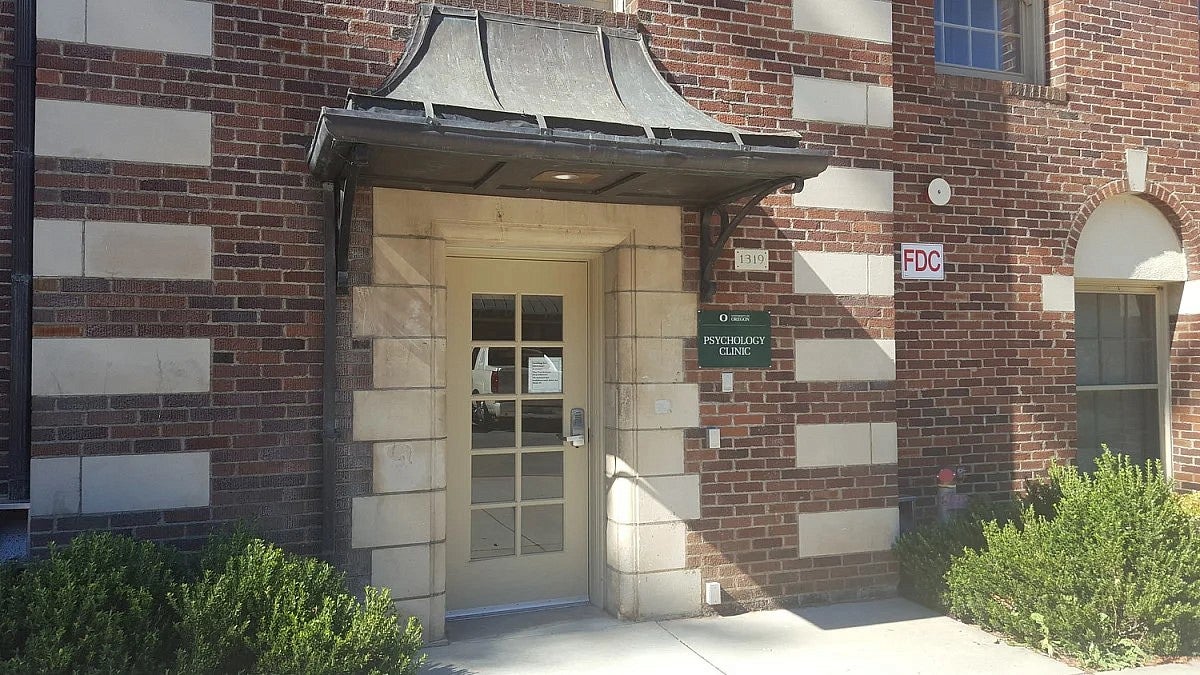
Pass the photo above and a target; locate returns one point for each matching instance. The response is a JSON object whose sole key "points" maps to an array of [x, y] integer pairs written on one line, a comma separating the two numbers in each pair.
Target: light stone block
{"points": [[145, 482], [657, 227], [408, 362], [825, 100], [125, 133], [654, 452], [54, 486], [408, 261], [378, 521], [645, 269], [651, 314], [842, 532], [408, 466], [396, 311], [880, 106], [881, 275], [63, 20], [657, 406], [869, 20], [660, 499], [645, 360], [399, 414], [431, 612], [833, 444], [1058, 293], [178, 26], [1189, 298], [1137, 164], [845, 360], [78, 366], [821, 445], [57, 248], [662, 595], [658, 269], [824, 273], [411, 571], [661, 546], [147, 251], [885, 443], [847, 189], [592, 225]]}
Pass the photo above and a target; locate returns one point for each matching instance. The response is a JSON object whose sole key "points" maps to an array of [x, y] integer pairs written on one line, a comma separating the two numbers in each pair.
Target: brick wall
{"points": [[738, 65], [986, 377], [274, 65]]}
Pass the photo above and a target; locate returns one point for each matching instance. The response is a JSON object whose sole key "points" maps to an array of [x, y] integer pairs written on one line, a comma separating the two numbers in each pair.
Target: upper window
{"points": [[990, 38]]}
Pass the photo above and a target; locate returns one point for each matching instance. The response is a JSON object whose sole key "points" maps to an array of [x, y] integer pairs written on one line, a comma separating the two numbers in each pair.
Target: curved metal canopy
{"points": [[502, 105]]}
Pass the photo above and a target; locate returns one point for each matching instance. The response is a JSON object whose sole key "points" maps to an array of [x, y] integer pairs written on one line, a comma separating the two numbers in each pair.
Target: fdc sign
{"points": [[922, 261]]}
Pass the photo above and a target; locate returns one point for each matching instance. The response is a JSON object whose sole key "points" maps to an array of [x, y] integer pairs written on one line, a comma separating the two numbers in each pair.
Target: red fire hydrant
{"points": [[947, 491]]}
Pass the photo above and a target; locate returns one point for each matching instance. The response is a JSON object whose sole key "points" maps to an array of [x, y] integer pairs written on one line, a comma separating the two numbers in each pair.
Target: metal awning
{"points": [[492, 104]]}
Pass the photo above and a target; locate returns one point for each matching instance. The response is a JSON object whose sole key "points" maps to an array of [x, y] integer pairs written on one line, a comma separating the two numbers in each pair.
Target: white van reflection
{"points": [[493, 423]]}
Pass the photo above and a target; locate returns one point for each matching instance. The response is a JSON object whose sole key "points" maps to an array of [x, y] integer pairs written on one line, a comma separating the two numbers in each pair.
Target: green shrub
{"points": [[1113, 577], [1043, 496], [925, 553], [110, 604], [1191, 504], [96, 605], [257, 609]]}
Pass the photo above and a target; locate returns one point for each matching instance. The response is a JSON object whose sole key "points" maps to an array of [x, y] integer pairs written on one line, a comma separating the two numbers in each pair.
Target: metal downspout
{"points": [[329, 376], [21, 340]]}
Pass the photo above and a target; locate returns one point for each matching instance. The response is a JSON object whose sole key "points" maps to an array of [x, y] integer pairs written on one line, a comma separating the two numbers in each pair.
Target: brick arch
{"points": [[1163, 199]]}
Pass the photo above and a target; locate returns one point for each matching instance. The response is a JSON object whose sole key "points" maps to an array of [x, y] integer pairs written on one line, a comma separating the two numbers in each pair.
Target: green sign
{"points": [[729, 339]]}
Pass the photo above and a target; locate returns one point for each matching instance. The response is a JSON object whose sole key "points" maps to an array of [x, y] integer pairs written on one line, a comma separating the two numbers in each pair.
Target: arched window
{"points": [[1126, 257]]}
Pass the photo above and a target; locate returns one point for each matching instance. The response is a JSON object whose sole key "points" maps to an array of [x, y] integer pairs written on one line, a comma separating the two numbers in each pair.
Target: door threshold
{"points": [[516, 608]]}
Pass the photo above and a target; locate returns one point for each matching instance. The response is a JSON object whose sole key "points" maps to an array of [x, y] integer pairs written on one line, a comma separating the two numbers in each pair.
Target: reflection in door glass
{"points": [[493, 533], [493, 317], [542, 475], [493, 478], [542, 528], [493, 424], [542, 318], [541, 423], [493, 370]]}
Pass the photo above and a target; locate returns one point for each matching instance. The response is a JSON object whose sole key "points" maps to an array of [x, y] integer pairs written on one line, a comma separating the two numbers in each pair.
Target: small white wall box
{"points": [[726, 382], [714, 437], [712, 593]]}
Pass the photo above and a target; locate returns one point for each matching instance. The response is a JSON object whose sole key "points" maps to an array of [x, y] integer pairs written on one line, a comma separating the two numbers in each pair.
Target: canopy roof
{"points": [[492, 104]]}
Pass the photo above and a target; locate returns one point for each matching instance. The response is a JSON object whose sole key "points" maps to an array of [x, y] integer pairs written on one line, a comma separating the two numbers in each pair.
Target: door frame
{"points": [[595, 500]]}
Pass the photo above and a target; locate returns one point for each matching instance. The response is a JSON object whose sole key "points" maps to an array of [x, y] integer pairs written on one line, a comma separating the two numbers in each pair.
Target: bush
{"points": [[925, 553], [110, 604], [1112, 578], [257, 609], [1191, 504], [97, 605]]}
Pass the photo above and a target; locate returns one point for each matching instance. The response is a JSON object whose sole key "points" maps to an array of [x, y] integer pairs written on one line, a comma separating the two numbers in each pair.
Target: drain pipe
{"points": [[21, 339], [329, 376]]}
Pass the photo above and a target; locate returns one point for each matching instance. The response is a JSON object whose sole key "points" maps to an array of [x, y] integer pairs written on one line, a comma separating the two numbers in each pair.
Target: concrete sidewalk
{"points": [[888, 637]]}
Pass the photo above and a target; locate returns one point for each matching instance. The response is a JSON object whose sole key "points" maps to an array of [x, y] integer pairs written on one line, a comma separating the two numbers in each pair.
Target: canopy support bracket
{"points": [[344, 191], [716, 216]]}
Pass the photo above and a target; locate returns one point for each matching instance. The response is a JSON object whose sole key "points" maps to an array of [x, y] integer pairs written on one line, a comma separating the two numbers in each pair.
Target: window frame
{"points": [[1033, 50], [1162, 357]]}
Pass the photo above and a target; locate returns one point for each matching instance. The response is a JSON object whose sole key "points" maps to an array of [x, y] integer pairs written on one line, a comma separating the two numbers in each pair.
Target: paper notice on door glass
{"points": [[545, 375]]}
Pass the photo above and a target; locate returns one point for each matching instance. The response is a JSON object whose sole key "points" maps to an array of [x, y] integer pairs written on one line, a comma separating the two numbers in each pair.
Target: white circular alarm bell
{"points": [[939, 191]]}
